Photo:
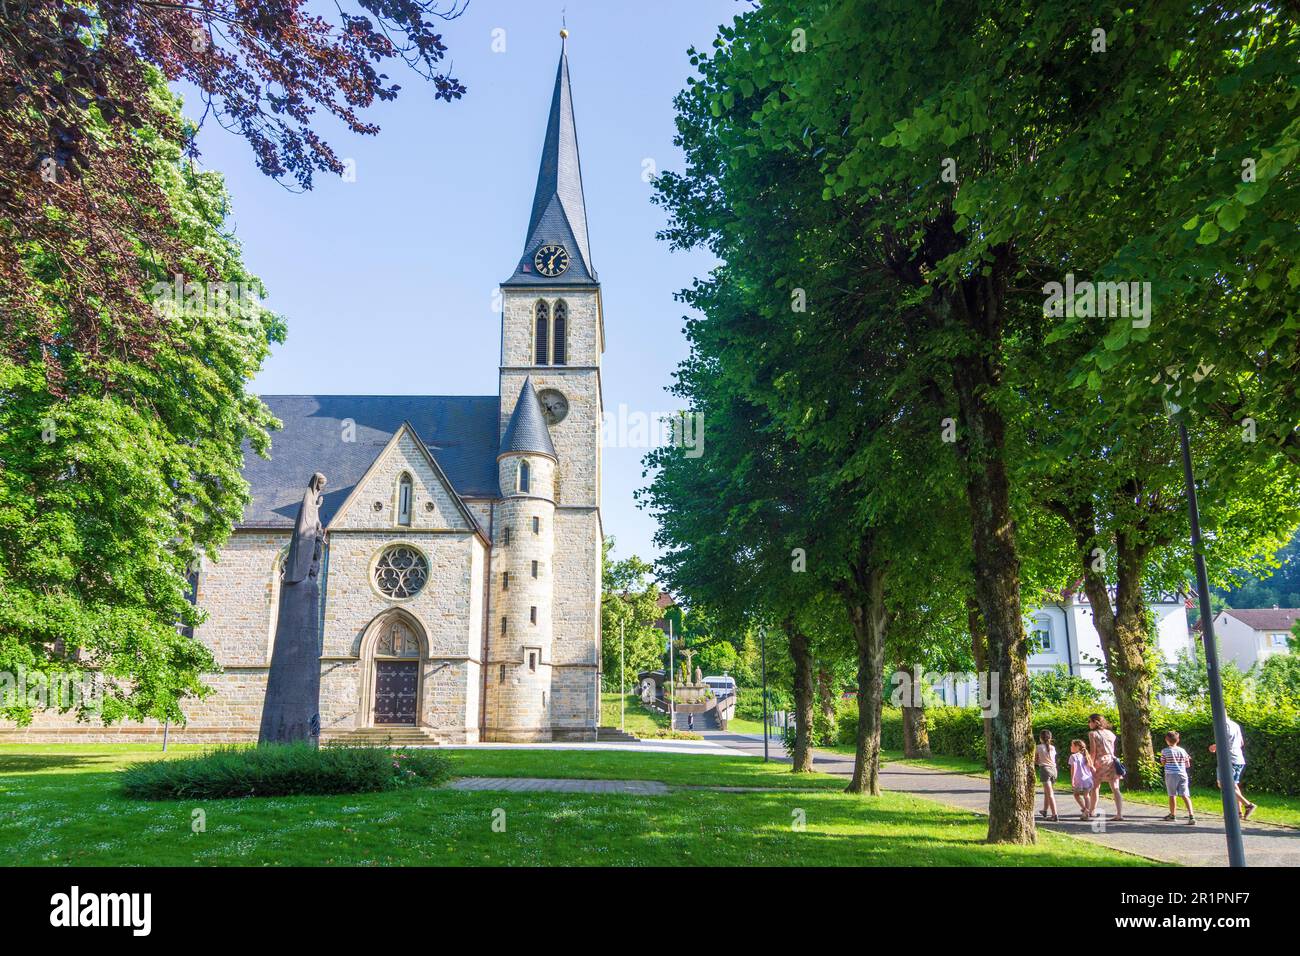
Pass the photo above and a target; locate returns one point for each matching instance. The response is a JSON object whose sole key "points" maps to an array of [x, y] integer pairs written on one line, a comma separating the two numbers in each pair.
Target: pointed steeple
{"points": [[559, 214], [526, 430]]}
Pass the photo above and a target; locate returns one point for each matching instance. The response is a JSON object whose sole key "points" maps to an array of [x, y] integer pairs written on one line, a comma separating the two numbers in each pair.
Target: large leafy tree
{"points": [[742, 527], [806, 326], [116, 481], [1117, 488], [77, 186], [970, 154], [1275, 584]]}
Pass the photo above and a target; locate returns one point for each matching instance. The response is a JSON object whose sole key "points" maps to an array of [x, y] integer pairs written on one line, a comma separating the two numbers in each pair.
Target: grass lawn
{"points": [[738, 725], [1273, 808], [62, 805], [640, 720]]}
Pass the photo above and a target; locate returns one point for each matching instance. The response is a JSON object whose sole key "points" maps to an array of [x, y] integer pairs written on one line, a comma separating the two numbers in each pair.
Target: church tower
{"points": [[542, 679]]}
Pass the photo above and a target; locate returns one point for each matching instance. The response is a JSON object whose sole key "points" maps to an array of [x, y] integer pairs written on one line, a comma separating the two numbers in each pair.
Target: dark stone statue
{"points": [[291, 710]]}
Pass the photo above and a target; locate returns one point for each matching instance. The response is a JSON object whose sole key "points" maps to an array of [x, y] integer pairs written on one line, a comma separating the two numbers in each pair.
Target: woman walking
{"points": [[1101, 745]]}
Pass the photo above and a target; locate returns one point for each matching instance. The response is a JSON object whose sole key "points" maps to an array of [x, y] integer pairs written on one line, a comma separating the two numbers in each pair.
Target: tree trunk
{"points": [[916, 736], [801, 654], [980, 651], [997, 580], [869, 619], [1130, 676], [1125, 645]]}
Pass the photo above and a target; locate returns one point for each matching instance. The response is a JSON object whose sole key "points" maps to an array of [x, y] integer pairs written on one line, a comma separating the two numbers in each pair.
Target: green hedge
{"points": [[1272, 745], [283, 770], [1272, 738], [749, 702]]}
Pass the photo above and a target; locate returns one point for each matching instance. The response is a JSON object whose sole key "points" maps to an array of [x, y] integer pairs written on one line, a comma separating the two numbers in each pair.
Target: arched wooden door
{"points": [[397, 675]]}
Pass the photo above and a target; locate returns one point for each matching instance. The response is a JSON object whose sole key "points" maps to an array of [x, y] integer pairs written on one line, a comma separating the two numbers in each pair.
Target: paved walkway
{"points": [[649, 745], [1141, 831], [545, 785]]}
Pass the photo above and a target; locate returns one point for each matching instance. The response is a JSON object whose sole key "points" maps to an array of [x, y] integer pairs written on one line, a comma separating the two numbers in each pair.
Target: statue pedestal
{"points": [[690, 693]]}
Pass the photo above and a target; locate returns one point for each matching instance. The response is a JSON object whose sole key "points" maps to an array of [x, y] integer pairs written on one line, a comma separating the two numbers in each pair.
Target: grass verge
{"points": [[62, 806]]}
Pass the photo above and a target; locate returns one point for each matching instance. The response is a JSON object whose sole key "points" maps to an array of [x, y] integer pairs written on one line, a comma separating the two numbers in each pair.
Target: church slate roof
{"points": [[559, 212], [459, 431], [527, 431]]}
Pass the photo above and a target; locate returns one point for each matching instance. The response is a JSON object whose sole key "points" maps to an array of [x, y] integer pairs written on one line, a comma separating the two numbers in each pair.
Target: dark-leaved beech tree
{"points": [[76, 175], [114, 484]]}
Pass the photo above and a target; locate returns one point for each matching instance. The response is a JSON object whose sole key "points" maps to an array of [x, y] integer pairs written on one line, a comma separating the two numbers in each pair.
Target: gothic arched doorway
{"points": [[394, 653]]}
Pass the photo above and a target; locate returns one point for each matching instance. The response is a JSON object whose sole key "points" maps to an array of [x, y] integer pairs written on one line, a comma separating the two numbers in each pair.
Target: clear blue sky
{"points": [[387, 282]]}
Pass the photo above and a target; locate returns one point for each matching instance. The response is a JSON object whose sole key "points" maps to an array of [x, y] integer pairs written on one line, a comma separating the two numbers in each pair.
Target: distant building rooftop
{"points": [[1265, 618]]}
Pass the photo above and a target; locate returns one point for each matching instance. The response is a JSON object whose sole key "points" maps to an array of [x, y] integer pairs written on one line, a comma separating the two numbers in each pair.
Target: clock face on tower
{"points": [[555, 404], [551, 260]]}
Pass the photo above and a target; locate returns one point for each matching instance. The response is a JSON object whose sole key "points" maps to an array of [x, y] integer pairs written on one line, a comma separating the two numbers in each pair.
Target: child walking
{"points": [[1178, 768], [1081, 779], [1045, 764]]}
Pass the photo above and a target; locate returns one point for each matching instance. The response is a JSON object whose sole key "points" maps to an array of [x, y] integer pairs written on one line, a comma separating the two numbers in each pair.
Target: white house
{"points": [[1248, 636], [1065, 633]]}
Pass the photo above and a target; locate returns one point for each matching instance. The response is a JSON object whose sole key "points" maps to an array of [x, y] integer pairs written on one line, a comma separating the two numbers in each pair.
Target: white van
{"points": [[723, 686]]}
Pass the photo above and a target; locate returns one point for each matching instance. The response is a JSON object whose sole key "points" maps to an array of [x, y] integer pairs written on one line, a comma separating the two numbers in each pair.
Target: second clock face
{"points": [[555, 404], [551, 260]]}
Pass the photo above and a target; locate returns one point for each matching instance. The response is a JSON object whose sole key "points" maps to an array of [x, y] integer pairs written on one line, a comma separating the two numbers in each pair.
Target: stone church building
{"points": [[461, 574]]}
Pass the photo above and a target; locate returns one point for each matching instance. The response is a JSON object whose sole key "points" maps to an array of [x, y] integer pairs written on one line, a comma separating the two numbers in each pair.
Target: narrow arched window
{"points": [[404, 493], [525, 476], [542, 337], [560, 347]]}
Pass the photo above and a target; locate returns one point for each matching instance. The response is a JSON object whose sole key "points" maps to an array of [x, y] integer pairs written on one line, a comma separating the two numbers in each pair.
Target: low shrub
{"points": [[663, 733], [825, 727], [846, 723], [1058, 687], [749, 702], [283, 770]]}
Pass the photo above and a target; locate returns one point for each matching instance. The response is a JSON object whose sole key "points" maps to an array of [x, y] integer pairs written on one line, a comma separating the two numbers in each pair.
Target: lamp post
{"points": [[622, 682], [1231, 819], [672, 707], [762, 651]]}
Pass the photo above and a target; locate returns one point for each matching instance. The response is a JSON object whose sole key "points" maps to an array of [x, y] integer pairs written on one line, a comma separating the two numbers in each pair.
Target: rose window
{"points": [[401, 572]]}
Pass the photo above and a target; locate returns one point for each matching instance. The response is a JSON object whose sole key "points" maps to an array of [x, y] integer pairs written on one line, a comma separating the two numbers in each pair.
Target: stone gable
{"points": [[373, 505]]}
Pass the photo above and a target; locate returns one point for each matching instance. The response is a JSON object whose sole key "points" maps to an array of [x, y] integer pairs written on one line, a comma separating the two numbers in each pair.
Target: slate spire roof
{"points": [[559, 213], [527, 431]]}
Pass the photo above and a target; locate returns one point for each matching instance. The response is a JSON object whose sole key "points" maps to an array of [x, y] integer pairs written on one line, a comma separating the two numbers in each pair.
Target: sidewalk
{"points": [[648, 745], [1141, 831]]}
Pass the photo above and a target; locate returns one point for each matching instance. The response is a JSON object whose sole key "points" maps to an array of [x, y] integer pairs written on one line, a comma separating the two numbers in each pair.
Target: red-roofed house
{"points": [[1251, 635]]}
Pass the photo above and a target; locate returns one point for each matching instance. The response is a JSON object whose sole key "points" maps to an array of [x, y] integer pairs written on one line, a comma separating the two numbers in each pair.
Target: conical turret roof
{"points": [[527, 432]]}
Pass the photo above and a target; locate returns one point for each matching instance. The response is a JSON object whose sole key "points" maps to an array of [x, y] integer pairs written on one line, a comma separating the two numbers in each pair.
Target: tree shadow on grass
{"points": [[37, 763]]}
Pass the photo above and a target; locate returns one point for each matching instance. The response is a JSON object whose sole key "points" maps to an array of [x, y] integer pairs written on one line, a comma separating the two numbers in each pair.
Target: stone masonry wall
{"points": [[519, 657]]}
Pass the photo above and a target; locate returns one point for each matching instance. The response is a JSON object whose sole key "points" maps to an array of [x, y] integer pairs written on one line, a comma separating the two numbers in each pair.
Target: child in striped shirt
{"points": [[1178, 767]]}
